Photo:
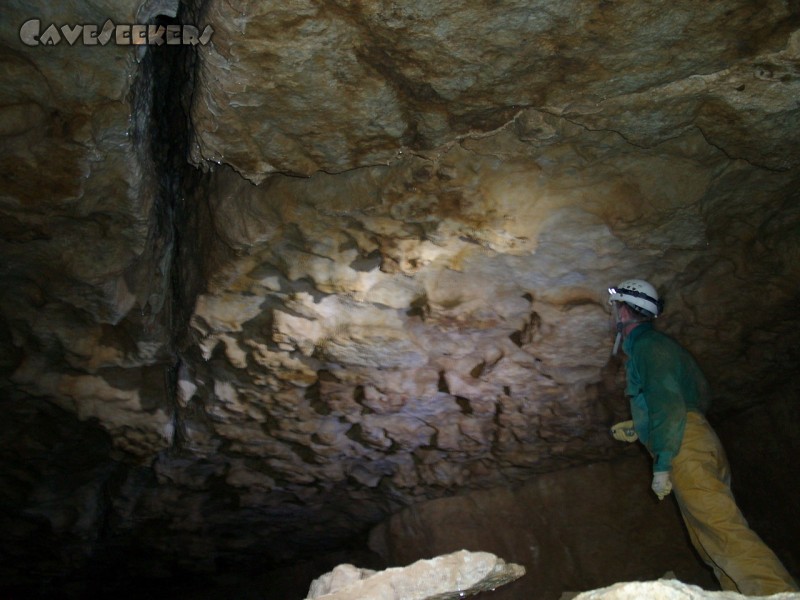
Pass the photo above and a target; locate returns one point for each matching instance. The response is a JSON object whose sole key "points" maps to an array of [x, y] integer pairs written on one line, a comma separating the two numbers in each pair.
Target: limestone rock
{"points": [[383, 80], [666, 589], [749, 97], [340, 578], [448, 577], [84, 270]]}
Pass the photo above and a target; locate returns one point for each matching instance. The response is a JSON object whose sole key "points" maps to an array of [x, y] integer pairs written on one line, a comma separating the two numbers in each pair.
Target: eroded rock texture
{"points": [[456, 575], [352, 256], [665, 590]]}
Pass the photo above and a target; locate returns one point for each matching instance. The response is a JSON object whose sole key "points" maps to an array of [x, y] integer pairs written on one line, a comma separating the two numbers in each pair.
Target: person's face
{"points": [[625, 313], [624, 317]]}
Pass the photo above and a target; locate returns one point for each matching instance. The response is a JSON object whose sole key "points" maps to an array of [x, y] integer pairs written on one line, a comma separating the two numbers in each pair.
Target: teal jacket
{"points": [[664, 383]]}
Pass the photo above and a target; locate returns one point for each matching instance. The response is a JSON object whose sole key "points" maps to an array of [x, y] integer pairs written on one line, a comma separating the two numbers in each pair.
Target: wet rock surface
{"points": [[262, 365]]}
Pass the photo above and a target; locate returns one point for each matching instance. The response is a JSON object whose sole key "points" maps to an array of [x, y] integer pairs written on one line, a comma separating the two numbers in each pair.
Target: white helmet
{"points": [[638, 293]]}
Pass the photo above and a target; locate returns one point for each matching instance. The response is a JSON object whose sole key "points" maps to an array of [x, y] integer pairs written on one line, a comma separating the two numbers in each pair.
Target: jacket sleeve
{"points": [[659, 370]]}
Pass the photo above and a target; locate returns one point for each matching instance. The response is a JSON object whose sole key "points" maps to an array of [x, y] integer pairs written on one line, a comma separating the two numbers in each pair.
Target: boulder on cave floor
{"points": [[446, 577], [666, 589], [463, 573]]}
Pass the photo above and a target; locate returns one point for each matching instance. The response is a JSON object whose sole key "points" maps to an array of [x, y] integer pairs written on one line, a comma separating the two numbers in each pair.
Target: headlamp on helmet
{"points": [[640, 295]]}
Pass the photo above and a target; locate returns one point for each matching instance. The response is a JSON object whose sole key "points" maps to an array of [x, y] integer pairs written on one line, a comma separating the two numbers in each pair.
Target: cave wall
{"points": [[347, 258], [759, 476]]}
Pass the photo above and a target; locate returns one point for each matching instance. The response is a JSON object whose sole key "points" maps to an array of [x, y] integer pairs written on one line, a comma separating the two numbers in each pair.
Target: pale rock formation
{"points": [[443, 578], [448, 577], [665, 589]]}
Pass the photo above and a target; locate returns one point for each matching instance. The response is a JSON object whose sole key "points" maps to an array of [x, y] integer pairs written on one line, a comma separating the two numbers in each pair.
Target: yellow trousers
{"points": [[718, 530]]}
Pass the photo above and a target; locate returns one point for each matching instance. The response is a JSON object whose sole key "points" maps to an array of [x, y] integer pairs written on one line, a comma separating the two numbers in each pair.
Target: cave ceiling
{"points": [[349, 256]]}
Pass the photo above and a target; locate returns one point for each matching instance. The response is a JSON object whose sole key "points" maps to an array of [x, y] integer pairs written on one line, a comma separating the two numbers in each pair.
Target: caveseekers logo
{"points": [[31, 34]]}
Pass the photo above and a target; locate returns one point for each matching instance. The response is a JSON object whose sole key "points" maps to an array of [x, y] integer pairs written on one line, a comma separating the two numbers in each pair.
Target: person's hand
{"points": [[662, 484], [624, 432]]}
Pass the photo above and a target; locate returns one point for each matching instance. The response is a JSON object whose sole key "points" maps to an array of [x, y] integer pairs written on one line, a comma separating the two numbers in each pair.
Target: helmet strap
{"points": [[617, 341], [620, 325], [618, 321]]}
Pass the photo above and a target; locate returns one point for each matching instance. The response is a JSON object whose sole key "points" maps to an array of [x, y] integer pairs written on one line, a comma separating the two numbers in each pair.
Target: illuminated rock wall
{"points": [[348, 257]]}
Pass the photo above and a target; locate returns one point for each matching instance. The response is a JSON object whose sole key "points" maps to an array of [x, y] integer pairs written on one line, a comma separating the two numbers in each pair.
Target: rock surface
{"points": [[448, 577], [666, 590], [371, 81], [266, 363]]}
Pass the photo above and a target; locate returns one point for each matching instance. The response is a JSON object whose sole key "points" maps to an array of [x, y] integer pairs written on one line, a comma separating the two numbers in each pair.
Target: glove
{"points": [[662, 484], [624, 432]]}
